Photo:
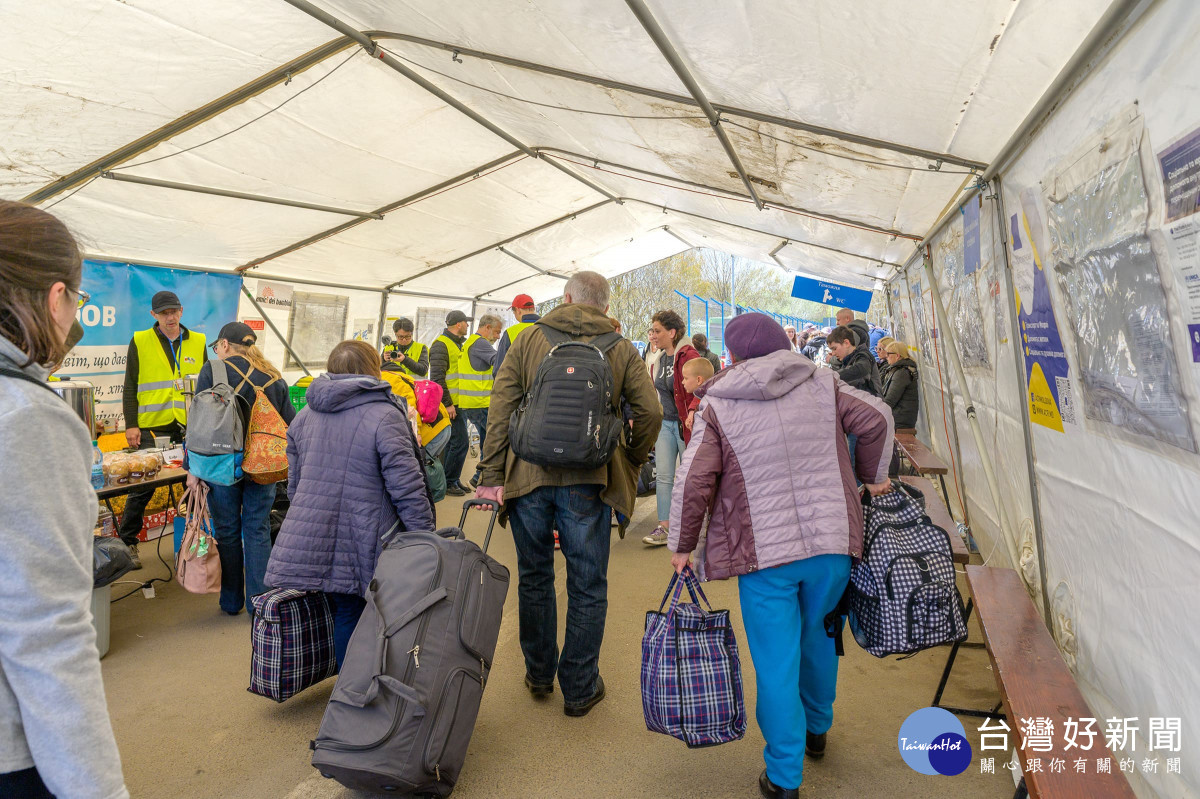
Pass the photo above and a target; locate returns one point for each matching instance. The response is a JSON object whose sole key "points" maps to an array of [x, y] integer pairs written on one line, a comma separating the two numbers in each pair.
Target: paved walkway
{"points": [[177, 672]]}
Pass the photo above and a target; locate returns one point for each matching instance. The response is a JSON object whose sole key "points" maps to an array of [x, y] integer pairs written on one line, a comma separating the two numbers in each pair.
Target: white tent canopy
{"points": [[854, 136]]}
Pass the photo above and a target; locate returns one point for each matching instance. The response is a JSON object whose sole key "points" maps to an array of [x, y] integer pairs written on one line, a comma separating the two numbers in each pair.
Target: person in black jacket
{"points": [[900, 388], [700, 342], [241, 513], [854, 365]]}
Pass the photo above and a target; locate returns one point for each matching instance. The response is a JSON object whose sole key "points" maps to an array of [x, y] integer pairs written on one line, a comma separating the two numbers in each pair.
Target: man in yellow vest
{"points": [[476, 368], [411, 356], [522, 308], [444, 356], [158, 360]]}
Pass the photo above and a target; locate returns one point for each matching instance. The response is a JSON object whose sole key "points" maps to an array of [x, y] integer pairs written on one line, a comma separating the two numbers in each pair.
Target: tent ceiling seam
{"points": [[733, 194], [497, 245], [675, 60], [190, 120], [452, 183], [682, 99]]}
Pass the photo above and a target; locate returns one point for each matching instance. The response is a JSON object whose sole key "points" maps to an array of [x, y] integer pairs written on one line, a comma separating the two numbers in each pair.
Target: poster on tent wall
{"points": [[1180, 162], [1047, 371], [1108, 278], [120, 306]]}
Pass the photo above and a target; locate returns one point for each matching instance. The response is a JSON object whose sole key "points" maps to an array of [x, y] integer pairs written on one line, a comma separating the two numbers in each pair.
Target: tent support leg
{"points": [[985, 456], [275, 330], [383, 298], [1026, 423]]}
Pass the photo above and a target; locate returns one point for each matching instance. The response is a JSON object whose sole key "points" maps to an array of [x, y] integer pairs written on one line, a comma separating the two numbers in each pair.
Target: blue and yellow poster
{"points": [[1047, 371]]}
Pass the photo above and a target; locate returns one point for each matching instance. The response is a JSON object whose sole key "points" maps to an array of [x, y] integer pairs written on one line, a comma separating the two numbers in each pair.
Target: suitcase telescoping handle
{"points": [[481, 503]]}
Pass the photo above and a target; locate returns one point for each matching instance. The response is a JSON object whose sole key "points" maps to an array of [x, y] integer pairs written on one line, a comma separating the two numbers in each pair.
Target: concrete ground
{"points": [[177, 671]]}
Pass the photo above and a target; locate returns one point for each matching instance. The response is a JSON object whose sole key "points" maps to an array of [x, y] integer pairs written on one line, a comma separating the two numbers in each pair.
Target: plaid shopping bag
{"points": [[292, 642], [691, 675]]}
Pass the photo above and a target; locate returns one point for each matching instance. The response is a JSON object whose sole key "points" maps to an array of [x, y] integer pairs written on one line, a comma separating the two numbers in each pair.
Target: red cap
{"points": [[522, 301]]}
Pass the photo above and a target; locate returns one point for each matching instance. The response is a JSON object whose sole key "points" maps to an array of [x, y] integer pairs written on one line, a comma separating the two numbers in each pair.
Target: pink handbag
{"points": [[429, 400], [197, 567]]}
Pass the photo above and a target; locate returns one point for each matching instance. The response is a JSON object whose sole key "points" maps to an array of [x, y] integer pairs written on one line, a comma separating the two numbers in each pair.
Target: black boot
{"points": [[814, 745], [772, 791]]}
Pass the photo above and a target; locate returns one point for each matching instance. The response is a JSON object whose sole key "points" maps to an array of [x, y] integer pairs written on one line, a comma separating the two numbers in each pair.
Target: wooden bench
{"points": [[922, 458], [1034, 682]]}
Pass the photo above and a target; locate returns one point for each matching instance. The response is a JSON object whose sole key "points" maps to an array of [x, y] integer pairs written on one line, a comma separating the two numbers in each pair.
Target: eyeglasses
{"points": [[84, 297]]}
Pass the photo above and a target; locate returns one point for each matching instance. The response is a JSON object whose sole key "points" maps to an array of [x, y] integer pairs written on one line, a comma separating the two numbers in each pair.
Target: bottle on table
{"points": [[97, 466]]}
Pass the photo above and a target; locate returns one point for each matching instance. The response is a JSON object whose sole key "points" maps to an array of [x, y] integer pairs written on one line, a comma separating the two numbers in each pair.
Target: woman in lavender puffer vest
{"points": [[353, 469], [769, 468]]}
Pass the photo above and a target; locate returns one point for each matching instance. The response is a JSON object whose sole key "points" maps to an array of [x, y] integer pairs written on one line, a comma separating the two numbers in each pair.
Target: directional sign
{"points": [[826, 293]]}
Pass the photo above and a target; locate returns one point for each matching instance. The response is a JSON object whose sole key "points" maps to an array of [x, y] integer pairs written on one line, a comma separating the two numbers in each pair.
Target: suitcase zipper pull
{"points": [[482, 674], [437, 772], [416, 653]]}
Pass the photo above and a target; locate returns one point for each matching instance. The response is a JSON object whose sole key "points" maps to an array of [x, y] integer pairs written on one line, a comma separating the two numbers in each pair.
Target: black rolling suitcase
{"points": [[404, 707]]}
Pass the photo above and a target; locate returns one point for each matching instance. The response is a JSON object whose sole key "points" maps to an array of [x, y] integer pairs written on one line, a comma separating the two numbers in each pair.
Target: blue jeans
{"points": [[667, 453], [241, 516], [345, 608], [584, 529], [456, 450], [479, 418], [795, 665], [438, 443]]}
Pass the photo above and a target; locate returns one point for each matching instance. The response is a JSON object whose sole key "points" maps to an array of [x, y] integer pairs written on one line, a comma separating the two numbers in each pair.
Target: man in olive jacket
{"points": [[578, 502]]}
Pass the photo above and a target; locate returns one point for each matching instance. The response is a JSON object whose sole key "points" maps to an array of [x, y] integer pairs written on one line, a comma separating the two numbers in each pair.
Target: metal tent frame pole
{"points": [[383, 301], [767, 205], [683, 99], [985, 456], [377, 51], [659, 37], [1026, 421], [275, 330], [497, 245], [237, 195], [535, 268], [381, 211]]}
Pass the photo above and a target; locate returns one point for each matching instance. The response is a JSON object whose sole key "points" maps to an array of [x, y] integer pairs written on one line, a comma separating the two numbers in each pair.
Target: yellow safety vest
{"points": [[159, 402], [476, 390], [414, 351], [513, 330], [454, 380]]}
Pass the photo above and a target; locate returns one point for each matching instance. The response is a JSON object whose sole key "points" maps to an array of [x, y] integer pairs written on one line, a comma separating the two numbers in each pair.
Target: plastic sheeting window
{"points": [[1108, 279], [916, 296], [951, 255], [316, 326]]}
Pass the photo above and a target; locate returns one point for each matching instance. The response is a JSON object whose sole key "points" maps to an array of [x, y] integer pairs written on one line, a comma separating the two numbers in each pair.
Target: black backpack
{"points": [[567, 419]]}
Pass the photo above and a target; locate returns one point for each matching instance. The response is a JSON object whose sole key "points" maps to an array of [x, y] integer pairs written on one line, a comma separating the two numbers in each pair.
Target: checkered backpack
{"points": [[292, 642], [691, 675], [902, 597]]}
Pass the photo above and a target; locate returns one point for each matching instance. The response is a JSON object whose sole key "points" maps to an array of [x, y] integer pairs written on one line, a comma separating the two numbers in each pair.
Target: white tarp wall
{"points": [[1119, 502]]}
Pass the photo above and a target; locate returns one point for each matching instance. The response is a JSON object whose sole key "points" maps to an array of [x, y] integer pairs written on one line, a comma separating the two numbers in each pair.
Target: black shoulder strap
{"points": [[553, 334], [27, 378], [607, 341]]}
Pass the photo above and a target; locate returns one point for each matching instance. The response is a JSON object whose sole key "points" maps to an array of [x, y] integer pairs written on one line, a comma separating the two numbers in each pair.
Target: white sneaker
{"points": [[658, 538]]}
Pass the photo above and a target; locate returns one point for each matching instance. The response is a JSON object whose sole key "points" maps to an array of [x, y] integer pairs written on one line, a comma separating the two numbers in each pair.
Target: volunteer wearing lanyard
{"points": [[157, 362]]}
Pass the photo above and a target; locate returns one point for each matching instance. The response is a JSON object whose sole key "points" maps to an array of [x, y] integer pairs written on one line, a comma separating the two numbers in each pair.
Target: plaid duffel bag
{"points": [[691, 675], [292, 642]]}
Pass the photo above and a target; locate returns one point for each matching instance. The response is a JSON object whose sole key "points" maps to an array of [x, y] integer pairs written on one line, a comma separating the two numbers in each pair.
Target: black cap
{"points": [[454, 317], [164, 301], [236, 333]]}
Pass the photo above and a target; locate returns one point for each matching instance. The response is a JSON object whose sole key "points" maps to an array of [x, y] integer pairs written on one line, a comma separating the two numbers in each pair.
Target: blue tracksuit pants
{"points": [[783, 609]]}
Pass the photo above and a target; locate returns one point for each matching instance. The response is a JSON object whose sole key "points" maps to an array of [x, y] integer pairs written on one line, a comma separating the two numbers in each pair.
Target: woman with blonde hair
{"points": [[57, 739], [241, 513], [900, 386]]}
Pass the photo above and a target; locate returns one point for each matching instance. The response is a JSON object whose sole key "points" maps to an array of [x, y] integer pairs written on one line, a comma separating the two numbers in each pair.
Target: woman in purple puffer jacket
{"points": [[354, 468], [769, 469]]}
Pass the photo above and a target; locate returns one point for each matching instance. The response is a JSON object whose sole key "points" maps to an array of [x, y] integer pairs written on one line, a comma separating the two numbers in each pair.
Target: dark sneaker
{"points": [[582, 709], [770, 790], [455, 490], [539, 690], [475, 480], [814, 745], [133, 555]]}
